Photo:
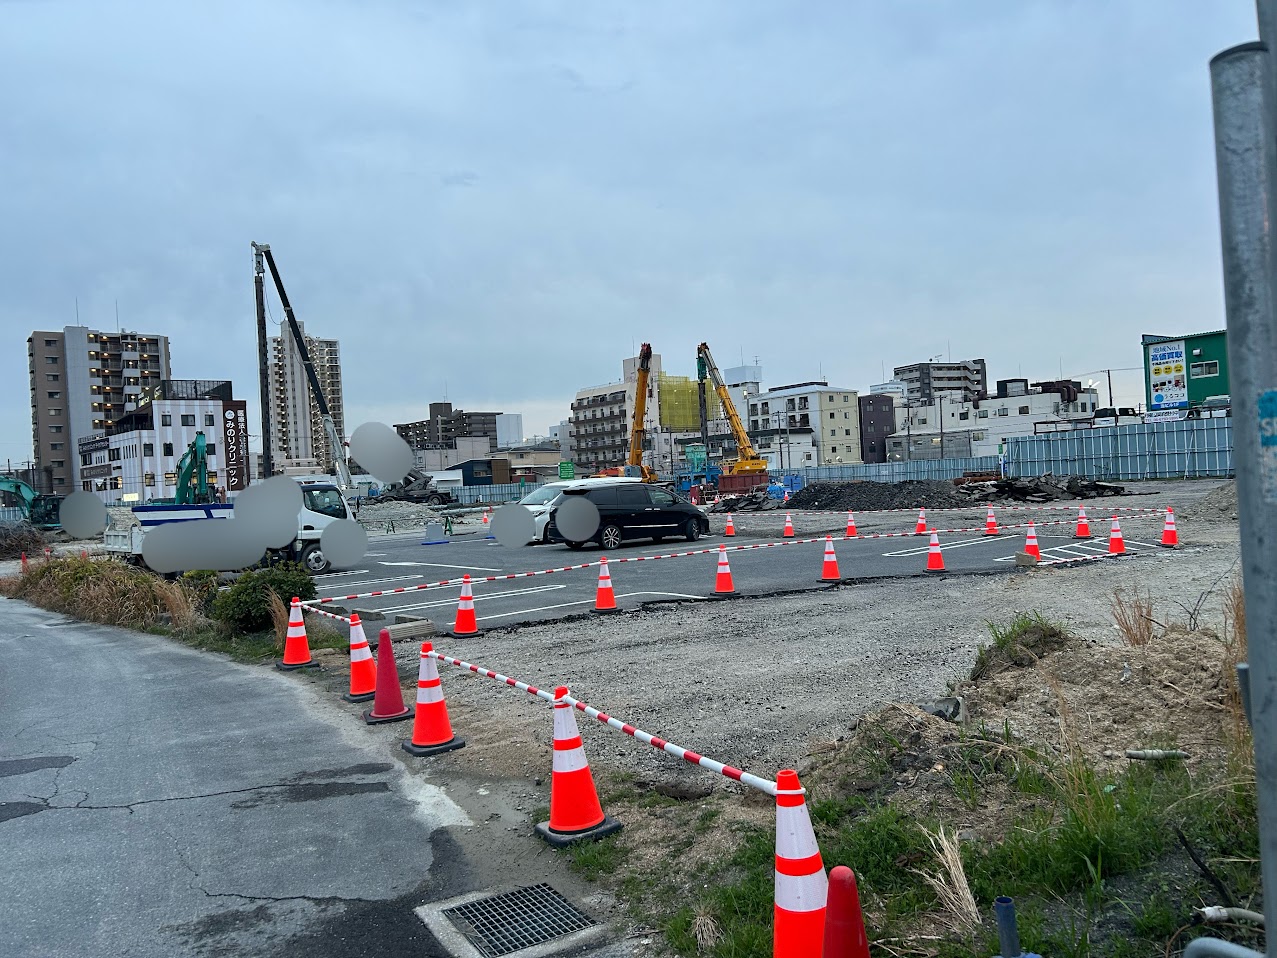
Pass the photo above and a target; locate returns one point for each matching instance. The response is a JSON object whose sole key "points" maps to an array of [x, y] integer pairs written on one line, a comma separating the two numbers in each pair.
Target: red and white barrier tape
{"points": [[326, 615], [764, 785], [983, 505]]}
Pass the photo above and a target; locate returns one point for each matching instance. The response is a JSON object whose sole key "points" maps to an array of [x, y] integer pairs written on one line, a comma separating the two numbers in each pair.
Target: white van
{"points": [[540, 501]]}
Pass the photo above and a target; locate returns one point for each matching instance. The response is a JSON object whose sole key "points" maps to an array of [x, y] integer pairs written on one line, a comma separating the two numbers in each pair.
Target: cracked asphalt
{"points": [[156, 801]]}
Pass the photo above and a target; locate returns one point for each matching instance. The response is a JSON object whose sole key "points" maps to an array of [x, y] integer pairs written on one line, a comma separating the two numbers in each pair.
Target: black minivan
{"points": [[634, 510]]}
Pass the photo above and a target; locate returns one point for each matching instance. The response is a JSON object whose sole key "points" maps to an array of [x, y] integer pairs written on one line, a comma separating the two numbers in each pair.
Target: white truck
{"points": [[322, 503]]}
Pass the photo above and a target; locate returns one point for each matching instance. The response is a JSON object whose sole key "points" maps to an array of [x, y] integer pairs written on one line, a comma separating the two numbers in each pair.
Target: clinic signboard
{"points": [[235, 444], [1167, 375]]}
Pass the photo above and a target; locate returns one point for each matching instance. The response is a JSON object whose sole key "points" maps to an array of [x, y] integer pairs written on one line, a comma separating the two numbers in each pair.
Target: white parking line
{"points": [[397, 578], [944, 546], [565, 605], [452, 600], [440, 565], [330, 575]]}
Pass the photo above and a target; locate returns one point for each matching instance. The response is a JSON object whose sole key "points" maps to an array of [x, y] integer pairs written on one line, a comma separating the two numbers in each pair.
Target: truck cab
{"points": [[322, 503]]}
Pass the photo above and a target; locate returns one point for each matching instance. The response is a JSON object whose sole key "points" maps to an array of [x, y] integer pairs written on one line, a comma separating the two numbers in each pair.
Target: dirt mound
{"points": [[1022, 648], [19, 537], [1219, 504], [870, 496]]}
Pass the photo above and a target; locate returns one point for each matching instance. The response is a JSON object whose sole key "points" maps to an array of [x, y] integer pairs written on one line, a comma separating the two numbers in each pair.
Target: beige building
{"points": [[297, 430], [833, 415]]}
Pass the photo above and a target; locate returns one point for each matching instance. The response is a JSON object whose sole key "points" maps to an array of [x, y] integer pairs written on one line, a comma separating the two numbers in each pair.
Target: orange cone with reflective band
{"points": [[431, 730], [723, 581], [1170, 537], [604, 598], [829, 571], [789, 527], [851, 525], [935, 558], [387, 704], [1117, 545], [296, 648], [731, 529], [1083, 525], [801, 886], [990, 523], [363, 672], [466, 623], [844, 924], [1031, 543], [786, 499], [921, 528], [575, 812]]}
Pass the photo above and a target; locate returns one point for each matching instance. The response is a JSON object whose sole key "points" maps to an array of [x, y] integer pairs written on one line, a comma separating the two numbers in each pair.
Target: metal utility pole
{"points": [[1110, 375], [263, 359]]}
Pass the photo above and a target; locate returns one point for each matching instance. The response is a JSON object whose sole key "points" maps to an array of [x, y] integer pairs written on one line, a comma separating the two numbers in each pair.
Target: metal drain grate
{"points": [[514, 920]]}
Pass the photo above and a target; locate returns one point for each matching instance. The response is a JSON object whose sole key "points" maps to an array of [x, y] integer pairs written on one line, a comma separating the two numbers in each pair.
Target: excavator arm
{"points": [[40, 510], [747, 461], [192, 473]]}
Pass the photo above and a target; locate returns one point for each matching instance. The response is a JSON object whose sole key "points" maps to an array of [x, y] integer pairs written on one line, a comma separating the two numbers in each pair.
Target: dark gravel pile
{"points": [[866, 496]]}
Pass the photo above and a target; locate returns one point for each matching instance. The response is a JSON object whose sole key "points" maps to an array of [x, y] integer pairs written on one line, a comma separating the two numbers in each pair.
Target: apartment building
{"points": [[877, 422], [446, 425], [925, 381], [83, 380], [297, 428], [831, 412], [599, 426]]}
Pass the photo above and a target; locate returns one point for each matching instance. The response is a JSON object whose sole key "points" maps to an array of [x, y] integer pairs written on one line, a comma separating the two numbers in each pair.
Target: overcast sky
{"points": [[504, 198]]}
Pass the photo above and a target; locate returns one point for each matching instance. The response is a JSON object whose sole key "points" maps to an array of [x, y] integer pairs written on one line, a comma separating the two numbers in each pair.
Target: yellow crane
{"points": [[748, 463], [638, 431]]}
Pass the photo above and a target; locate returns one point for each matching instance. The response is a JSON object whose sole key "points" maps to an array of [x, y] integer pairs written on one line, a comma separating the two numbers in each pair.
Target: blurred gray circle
{"points": [[576, 518], [512, 525], [343, 542], [381, 451], [83, 515], [268, 511], [220, 544]]}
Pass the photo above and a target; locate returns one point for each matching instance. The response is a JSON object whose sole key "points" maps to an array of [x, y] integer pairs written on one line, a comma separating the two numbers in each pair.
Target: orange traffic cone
{"points": [[25, 567], [1083, 525], [363, 673], [1117, 545], [723, 582], [431, 730], [575, 812], [921, 528], [990, 523], [730, 530], [851, 525], [1170, 538], [789, 527], [84, 554], [844, 924], [466, 623], [935, 558], [829, 570], [604, 598], [786, 499], [296, 648], [387, 704], [1031, 543], [801, 886]]}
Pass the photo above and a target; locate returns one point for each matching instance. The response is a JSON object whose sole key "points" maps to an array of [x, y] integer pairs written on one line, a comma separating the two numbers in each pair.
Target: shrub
{"points": [[202, 584], [245, 606]]}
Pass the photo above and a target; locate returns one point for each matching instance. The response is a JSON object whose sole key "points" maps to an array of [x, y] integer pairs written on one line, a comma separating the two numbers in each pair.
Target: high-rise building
{"points": [[964, 381], [297, 428], [446, 425], [82, 381]]}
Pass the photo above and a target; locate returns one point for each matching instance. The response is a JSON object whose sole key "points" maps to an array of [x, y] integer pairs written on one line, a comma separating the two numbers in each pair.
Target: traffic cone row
{"points": [[730, 529], [296, 648], [363, 673], [789, 527], [605, 598]]}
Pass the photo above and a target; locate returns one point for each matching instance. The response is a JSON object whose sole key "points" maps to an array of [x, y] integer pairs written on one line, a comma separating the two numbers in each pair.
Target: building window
{"points": [[51, 360], [54, 411], [1024, 410], [833, 449], [148, 479], [54, 394], [212, 476], [59, 481], [982, 414], [831, 415], [188, 419], [209, 419], [1202, 370], [753, 409], [86, 459], [56, 445], [802, 403], [58, 463], [55, 429], [113, 455], [148, 448], [51, 377], [846, 399], [168, 449], [166, 419], [50, 342], [170, 478], [977, 437], [1003, 411], [211, 449], [965, 414]]}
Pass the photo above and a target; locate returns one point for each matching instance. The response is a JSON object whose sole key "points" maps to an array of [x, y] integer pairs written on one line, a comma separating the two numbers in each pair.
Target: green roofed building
{"points": [[1181, 372]]}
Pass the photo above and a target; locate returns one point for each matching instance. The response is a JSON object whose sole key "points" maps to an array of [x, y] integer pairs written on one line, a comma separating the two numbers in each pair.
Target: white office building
{"points": [[830, 412]]}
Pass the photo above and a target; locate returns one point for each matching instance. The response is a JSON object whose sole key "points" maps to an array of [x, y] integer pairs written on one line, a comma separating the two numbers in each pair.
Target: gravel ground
{"points": [[759, 683]]}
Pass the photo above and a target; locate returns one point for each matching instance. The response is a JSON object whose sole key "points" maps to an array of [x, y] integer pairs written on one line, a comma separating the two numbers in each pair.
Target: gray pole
{"points": [[1110, 375], [1246, 168], [263, 361]]}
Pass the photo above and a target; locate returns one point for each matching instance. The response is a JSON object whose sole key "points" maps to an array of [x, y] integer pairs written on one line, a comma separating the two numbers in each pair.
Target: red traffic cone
{"points": [[296, 648], [851, 525], [723, 581], [844, 924], [1031, 543], [921, 528], [604, 598], [730, 529], [1083, 525], [1117, 545], [575, 812], [789, 527], [990, 523], [935, 558], [829, 570], [801, 889], [1170, 537], [466, 623], [387, 704], [84, 554], [431, 730], [25, 567], [363, 673]]}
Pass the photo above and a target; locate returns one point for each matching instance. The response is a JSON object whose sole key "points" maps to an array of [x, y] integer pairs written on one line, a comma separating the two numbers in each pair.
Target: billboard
{"points": [[1167, 376], [235, 444]]}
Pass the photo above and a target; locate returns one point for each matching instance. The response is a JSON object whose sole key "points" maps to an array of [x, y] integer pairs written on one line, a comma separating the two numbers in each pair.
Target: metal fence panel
{"points": [[899, 471], [506, 492], [1185, 449], [11, 514]]}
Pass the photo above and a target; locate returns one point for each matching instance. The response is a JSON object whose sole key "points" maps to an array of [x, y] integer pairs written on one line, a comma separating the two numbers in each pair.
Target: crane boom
{"points": [[747, 461], [637, 430]]}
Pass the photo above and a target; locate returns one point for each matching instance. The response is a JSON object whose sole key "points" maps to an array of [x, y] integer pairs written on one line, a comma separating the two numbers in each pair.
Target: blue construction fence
{"points": [[1185, 449]]}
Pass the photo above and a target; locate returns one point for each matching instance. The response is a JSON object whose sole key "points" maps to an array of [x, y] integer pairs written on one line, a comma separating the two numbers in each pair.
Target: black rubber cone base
{"points": [[365, 697], [312, 664], [464, 635], [381, 719], [447, 746], [605, 611], [563, 839]]}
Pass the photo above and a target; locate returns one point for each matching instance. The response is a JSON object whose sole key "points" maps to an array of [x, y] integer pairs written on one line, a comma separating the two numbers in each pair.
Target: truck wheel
{"points": [[313, 560], [435, 501]]}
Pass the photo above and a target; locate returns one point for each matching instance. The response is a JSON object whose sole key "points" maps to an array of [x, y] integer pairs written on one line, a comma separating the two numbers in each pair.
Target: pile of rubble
{"points": [[1046, 488], [750, 502], [872, 496]]}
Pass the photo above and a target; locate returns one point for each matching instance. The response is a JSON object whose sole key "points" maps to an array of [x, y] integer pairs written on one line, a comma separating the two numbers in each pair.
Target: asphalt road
{"points": [[403, 561], [156, 801]]}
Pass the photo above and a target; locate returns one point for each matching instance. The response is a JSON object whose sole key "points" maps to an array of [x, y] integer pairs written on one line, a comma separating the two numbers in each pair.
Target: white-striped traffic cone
{"points": [[431, 729], [1117, 545], [363, 670], [575, 812], [802, 888]]}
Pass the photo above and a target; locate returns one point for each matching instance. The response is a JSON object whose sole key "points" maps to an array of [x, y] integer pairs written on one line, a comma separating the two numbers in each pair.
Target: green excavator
{"points": [[38, 509], [192, 477]]}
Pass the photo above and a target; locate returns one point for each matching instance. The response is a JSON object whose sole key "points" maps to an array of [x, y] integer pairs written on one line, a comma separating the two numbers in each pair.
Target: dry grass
{"points": [[181, 604], [705, 929], [949, 881], [279, 613], [1133, 615], [17, 538], [1235, 650], [109, 592]]}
